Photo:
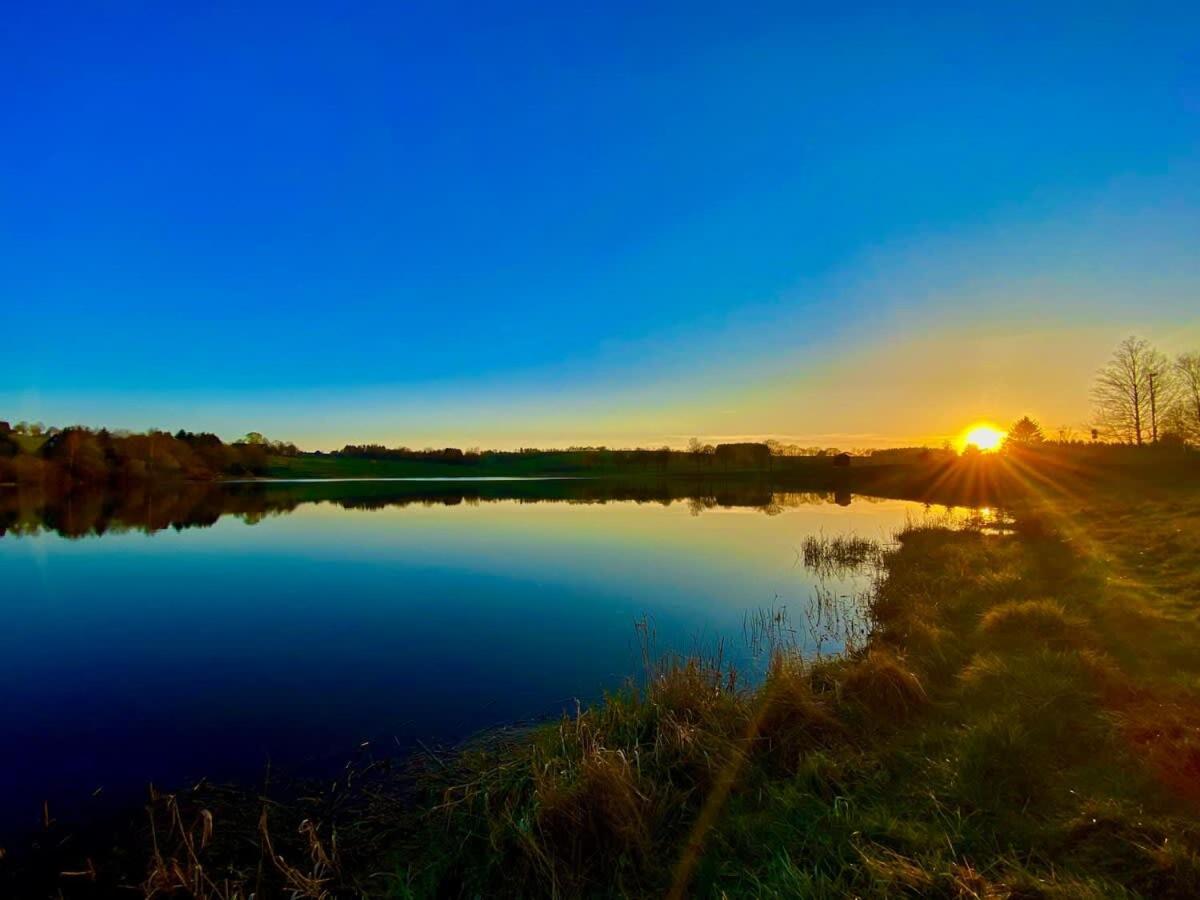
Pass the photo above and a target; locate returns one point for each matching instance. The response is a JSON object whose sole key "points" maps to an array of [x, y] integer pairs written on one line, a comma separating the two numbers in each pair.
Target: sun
{"points": [[983, 436]]}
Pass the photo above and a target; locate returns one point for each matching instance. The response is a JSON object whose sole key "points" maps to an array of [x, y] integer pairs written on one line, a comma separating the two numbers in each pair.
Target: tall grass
{"points": [[839, 554]]}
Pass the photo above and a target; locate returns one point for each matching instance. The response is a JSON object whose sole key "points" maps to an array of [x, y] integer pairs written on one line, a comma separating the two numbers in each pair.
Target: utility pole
{"points": [[1153, 412]]}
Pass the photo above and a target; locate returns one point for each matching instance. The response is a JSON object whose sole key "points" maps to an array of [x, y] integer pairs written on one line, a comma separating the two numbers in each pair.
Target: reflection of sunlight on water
{"points": [[989, 520], [985, 519]]}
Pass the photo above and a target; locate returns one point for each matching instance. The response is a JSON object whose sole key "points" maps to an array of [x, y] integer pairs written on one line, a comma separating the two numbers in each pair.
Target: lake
{"points": [[204, 631]]}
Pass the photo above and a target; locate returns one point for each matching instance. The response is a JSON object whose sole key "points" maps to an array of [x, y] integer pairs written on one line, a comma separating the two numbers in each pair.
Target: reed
{"points": [[839, 554]]}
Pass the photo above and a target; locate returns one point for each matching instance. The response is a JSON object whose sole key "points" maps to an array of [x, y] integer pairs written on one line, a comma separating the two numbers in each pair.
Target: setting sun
{"points": [[983, 436]]}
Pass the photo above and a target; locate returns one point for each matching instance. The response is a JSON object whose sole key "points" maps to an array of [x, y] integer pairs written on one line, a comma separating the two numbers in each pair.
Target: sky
{"points": [[518, 224]]}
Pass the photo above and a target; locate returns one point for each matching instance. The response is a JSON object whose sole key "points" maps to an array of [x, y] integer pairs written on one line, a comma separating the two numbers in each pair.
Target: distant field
{"points": [[337, 467], [313, 466]]}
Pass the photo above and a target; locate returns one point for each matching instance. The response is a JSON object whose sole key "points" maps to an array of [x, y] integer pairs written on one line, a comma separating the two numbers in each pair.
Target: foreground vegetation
{"points": [[1023, 721]]}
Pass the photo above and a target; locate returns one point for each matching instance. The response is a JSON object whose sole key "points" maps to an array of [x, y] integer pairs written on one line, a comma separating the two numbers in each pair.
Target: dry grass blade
{"points": [[89, 873], [183, 869], [313, 884]]}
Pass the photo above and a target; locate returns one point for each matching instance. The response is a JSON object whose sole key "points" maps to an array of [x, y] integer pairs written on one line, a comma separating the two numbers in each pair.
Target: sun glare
{"points": [[983, 436]]}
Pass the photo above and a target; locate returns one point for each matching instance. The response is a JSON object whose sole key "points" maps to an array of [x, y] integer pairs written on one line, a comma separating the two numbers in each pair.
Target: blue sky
{"points": [[509, 223]]}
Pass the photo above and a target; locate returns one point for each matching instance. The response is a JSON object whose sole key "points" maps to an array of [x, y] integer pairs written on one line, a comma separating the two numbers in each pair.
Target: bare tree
{"points": [[1187, 382], [1128, 391]]}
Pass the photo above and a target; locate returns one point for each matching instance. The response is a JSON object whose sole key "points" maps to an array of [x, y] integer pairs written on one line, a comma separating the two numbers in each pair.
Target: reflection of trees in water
{"points": [[89, 511], [981, 482], [83, 512]]}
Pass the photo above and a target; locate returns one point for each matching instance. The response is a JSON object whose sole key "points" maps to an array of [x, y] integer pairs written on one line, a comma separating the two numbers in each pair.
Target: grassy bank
{"points": [[1024, 721]]}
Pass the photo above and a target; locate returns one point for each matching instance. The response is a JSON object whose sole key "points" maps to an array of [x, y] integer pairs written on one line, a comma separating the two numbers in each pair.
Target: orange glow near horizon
{"points": [[983, 436]]}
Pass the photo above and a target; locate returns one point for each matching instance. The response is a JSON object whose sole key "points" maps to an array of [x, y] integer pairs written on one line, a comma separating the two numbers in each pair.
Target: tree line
{"points": [[1140, 397], [726, 455], [32, 454], [452, 455]]}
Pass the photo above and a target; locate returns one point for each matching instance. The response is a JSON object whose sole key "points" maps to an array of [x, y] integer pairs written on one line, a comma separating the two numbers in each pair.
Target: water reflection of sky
{"points": [[130, 658]]}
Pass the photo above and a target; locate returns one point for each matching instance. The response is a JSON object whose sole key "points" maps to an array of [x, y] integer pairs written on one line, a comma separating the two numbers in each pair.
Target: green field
{"points": [[546, 463]]}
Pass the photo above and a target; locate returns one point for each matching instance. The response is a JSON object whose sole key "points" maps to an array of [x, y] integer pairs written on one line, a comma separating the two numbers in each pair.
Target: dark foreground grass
{"points": [[1023, 722]]}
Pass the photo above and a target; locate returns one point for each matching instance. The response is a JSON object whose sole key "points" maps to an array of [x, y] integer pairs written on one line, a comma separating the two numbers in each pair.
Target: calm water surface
{"points": [[295, 631]]}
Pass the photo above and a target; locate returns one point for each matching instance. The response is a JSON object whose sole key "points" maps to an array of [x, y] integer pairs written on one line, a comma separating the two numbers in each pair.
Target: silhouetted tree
{"points": [[744, 455], [1024, 431], [1128, 390], [1187, 378]]}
